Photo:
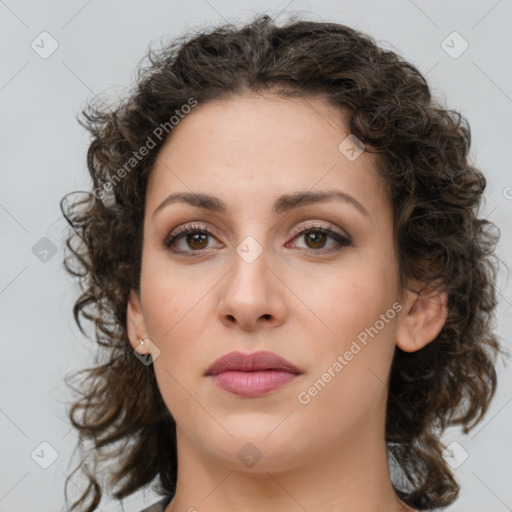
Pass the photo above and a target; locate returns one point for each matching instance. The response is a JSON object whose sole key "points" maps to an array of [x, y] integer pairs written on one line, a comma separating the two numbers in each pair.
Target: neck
{"points": [[352, 475]]}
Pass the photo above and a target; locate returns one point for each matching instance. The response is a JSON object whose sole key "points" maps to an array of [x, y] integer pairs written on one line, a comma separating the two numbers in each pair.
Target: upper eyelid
{"points": [[342, 239], [303, 227], [316, 224]]}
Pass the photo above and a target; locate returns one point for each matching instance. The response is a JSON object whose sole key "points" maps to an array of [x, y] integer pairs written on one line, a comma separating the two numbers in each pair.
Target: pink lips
{"points": [[251, 375]]}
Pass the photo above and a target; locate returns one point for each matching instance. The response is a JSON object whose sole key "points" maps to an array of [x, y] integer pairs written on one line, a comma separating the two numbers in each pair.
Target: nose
{"points": [[253, 296]]}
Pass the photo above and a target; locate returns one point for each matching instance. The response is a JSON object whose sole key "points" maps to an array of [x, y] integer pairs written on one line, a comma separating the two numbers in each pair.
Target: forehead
{"points": [[254, 147]]}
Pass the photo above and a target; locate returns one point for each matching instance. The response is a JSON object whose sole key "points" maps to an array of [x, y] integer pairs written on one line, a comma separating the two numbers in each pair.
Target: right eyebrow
{"points": [[283, 203]]}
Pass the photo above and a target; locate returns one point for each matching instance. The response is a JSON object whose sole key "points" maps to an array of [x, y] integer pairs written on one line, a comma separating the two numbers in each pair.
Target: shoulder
{"points": [[159, 506]]}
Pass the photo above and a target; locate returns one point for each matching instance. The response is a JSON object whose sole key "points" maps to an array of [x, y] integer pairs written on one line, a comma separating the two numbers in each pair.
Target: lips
{"points": [[257, 361], [251, 375]]}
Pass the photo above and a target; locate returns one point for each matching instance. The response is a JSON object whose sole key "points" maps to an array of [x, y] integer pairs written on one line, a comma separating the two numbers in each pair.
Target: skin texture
{"points": [[326, 455]]}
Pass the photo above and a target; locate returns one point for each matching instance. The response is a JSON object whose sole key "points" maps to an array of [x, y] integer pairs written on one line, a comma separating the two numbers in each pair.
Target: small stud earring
{"points": [[141, 342]]}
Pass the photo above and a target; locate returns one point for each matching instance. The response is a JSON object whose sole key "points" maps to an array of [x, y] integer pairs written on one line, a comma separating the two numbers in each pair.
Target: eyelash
{"points": [[194, 229]]}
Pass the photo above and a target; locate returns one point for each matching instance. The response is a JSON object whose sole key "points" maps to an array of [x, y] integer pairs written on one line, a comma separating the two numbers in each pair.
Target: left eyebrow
{"points": [[283, 203]]}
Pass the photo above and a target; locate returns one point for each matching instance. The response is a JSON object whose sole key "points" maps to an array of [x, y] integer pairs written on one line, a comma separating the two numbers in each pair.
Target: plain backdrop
{"points": [[97, 46]]}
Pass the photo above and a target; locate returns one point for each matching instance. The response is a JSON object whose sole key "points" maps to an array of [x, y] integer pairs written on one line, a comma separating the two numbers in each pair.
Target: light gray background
{"points": [[43, 157]]}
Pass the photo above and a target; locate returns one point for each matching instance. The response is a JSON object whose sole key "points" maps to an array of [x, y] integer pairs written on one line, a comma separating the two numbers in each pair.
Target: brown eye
{"points": [[195, 238], [316, 237]]}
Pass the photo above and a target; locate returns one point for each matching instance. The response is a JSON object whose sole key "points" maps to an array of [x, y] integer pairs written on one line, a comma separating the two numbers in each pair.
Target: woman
{"points": [[289, 283]]}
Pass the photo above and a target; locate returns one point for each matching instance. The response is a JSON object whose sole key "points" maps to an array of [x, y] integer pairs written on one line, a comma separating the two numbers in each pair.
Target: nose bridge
{"points": [[250, 268], [249, 292], [251, 240]]}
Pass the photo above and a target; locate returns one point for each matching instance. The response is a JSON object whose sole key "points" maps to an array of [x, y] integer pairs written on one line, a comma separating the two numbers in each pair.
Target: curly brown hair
{"points": [[436, 194]]}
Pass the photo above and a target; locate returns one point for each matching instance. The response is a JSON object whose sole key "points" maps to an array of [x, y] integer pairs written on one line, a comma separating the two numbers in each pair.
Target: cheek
{"points": [[349, 374], [169, 288], [174, 322], [174, 305], [352, 298], [359, 307]]}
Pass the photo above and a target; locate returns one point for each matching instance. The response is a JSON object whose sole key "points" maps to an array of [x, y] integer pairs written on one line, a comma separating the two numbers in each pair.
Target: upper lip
{"points": [[251, 362]]}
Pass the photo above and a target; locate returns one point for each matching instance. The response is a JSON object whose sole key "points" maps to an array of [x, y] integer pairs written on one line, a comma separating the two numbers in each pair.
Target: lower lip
{"points": [[252, 384]]}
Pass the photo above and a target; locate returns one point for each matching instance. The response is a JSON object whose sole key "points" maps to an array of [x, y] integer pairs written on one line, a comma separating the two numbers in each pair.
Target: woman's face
{"points": [[265, 279]]}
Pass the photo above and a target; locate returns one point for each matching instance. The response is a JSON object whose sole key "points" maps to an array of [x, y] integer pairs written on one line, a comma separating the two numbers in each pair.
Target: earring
{"points": [[141, 342], [151, 350]]}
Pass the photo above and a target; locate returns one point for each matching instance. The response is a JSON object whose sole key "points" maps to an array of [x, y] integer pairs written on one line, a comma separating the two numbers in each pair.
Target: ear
{"points": [[423, 317], [136, 324]]}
